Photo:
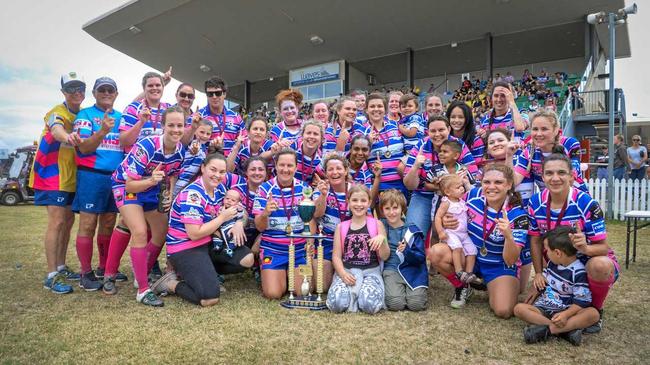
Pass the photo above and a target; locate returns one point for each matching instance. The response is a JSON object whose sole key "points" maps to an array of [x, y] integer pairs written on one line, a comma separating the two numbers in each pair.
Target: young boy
{"points": [[194, 155], [405, 275], [411, 125], [563, 308]]}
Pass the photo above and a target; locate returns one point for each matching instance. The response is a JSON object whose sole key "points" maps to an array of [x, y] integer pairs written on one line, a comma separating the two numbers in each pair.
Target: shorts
{"points": [[461, 240], [225, 263], [94, 193], [547, 312], [53, 197], [491, 271], [148, 199], [271, 259]]}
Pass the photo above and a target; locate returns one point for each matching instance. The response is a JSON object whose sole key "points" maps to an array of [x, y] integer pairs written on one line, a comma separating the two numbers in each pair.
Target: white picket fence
{"points": [[628, 195]]}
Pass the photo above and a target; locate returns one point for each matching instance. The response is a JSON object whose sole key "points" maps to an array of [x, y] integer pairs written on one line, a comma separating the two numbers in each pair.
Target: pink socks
{"points": [[153, 251], [103, 242], [599, 290], [118, 243], [139, 264], [85, 253], [454, 281]]}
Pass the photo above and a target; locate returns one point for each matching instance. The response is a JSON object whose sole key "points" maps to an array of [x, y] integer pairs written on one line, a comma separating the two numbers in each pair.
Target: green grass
{"points": [[38, 327]]}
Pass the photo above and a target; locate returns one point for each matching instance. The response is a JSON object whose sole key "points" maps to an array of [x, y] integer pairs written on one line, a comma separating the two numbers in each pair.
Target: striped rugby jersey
{"points": [[280, 131], [228, 125], [582, 210], [307, 165], [245, 153], [362, 176], [495, 241], [571, 149], [336, 211], [192, 206], [389, 134], [152, 127], [412, 121], [425, 146], [334, 130], [54, 165], [488, 122], [566, 285]]}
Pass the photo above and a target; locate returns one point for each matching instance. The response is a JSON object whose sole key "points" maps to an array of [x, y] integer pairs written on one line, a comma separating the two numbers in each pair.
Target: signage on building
{"points": [[314, 74]]}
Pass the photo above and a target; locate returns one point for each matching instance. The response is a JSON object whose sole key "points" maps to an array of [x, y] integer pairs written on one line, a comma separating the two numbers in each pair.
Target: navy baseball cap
{"points": [[104, 81]]}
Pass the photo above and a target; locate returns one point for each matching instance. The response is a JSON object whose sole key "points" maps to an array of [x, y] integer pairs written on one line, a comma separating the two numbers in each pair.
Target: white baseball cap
{"points": [[72, 79]]}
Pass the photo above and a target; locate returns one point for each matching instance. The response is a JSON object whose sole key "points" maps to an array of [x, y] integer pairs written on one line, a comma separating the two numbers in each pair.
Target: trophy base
{"points": [[306, 302]]}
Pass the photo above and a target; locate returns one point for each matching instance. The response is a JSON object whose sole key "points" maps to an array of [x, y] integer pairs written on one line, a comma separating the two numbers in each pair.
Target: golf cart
{"points": [[14, 176]]}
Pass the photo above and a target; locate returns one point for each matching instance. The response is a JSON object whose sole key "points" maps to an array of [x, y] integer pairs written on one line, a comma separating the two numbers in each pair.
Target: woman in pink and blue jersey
{"points": [[256, 144], [419, 166], [497, 224], [289, 103], [320, 111], [433, 106], [387, 147], [136, 189], [345, 126], [359, 170], [561, 203], [276, 215], [309, 151], [462, 127], [227, 125], [143, 118], [195, 216], [546, 138], [504, 112], [255, 174], [333, 209], [393, 113]]}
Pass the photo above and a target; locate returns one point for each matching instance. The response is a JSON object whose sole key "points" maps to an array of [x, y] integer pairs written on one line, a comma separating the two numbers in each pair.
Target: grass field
{"points": [[39, 327]]}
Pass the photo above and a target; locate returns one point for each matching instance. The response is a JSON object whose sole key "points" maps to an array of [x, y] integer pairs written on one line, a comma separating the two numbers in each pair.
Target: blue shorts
{"points": [[148, 199], [491, 271], [94, 193], [272, 259], [53, 197]]}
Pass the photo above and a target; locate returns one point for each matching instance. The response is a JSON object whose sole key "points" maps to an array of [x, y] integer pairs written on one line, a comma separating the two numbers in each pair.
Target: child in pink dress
{"points": [[462, 247]]}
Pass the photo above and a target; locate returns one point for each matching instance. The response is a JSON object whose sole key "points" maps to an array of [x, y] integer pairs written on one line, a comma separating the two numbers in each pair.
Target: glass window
{"points": [[315, 92], [333, 89]]}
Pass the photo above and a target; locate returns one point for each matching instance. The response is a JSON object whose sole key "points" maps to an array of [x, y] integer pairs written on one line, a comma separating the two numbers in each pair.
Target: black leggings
{"points": [[199, 278], [225, 264]]}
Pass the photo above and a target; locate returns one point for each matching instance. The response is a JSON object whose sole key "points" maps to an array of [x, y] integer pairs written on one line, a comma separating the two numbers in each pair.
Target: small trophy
{"points": [[306, 209]]}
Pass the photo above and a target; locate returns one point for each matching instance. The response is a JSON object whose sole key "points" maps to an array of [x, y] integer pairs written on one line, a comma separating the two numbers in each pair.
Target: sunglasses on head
{"points": [[212, 94], [74, 89], [107, 90], [186, 95]]}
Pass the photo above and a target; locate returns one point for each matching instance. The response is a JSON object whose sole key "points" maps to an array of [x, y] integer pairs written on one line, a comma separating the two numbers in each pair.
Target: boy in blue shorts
{"points": [[563, 308]]}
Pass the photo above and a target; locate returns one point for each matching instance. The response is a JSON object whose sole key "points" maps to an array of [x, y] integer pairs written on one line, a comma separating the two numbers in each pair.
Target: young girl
{"points": [[405, 272], [360, 247], [463, 250]]}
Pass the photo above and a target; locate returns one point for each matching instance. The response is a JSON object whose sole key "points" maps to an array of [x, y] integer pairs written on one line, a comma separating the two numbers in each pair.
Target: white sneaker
{"points": [[458, 301]]}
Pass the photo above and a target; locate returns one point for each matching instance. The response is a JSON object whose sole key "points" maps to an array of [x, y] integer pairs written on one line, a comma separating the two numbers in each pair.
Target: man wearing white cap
{"points": [[53, 178], [98, 155]]}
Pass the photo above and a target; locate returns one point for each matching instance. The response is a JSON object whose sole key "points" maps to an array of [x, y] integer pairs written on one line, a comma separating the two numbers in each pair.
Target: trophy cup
{"points": [[306, 300], [306, 209]]}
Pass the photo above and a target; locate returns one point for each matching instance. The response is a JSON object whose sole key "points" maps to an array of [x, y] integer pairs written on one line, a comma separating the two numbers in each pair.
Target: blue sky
{"points": [[43, 39]]}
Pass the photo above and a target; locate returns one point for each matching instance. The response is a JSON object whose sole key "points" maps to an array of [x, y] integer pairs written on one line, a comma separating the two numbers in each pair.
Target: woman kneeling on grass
{"points": [[359, 250], [194, 217], [498, 225]]}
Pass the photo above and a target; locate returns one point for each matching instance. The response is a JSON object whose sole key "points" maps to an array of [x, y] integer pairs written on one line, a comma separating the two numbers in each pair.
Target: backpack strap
{"points": [[371, 223], [372, 226], [345, 227]]}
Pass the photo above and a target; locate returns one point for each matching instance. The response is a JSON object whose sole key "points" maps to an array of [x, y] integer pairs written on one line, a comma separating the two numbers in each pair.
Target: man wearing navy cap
{"points": [[98, 155]]}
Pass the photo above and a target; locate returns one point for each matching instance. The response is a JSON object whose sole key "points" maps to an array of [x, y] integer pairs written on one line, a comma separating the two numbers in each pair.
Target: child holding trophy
{"points": [[360, 248]]}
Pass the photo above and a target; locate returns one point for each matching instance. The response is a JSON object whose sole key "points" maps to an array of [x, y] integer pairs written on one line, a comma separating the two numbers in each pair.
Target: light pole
{"points": [[612, 20]]}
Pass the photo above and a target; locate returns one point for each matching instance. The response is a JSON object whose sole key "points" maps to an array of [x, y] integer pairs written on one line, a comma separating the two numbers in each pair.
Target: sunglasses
{"points": [[74, 89], [212, 94], [106, 90], [636, 140], [186, 95]]}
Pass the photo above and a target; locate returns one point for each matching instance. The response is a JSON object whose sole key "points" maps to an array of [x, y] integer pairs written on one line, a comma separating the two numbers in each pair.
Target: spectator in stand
{"points": [[498, 78], [637, 155], [53, 178], [526, 77], [549, 104], [227, 125], [620, 157], [559, 80], [509, 78], [466, 85]]}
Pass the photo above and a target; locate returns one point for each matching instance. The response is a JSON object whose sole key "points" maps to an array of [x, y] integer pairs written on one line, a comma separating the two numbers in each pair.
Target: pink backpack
{"points": [[370, 222]]}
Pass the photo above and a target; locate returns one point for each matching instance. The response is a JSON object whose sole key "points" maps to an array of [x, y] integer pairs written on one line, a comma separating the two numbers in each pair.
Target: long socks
{"points": [[103, 243], [454, 281], [139, 264], [118, 243], [85, 253], [599, 290], [152, 254]]}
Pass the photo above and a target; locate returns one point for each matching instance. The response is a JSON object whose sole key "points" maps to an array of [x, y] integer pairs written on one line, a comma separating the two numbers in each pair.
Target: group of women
{"points": [[526, 185]]}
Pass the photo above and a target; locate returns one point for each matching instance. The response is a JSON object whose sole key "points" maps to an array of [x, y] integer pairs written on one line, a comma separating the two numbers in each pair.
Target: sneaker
{"points": [[99, 273], [574, 337], [458, 301], [221, 278], [596, 327], [149, 298], [161, 286], [156, 273], [466, 293], [537, 333], [257, 275], [89, 282], [69, 274], [57, 285], [121, 277], [108, 286]]}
